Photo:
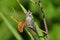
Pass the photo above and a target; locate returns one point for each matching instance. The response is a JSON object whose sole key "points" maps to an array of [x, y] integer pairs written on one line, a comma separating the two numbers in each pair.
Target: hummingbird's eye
{"points": [[29, 13]]}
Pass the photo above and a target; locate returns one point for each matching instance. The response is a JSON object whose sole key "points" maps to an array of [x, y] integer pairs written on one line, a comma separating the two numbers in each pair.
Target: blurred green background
{"points": [[51, 10]]}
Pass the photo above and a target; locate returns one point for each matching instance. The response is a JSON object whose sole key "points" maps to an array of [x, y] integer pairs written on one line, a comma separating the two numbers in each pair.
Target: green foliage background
{"points": [[52, 14]]}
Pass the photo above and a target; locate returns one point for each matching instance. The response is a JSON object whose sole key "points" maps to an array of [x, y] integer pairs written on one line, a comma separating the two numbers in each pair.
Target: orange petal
{"points": [[21, 26]]}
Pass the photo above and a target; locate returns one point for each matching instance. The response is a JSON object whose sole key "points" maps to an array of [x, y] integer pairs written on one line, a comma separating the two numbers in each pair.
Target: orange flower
{"points": [[21, 26]]}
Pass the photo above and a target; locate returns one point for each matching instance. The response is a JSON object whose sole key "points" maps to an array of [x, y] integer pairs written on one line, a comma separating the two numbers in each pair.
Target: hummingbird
{"points": [[30, 22]]}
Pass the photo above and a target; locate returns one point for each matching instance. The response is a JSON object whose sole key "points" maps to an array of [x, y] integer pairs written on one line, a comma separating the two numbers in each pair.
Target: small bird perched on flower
{"points": [[29, 23]]}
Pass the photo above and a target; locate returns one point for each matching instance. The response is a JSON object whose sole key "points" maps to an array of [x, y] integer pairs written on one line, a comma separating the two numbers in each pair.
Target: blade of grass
{"points": [[14, 19], [24, 10], [15, 33], [15, 13]]}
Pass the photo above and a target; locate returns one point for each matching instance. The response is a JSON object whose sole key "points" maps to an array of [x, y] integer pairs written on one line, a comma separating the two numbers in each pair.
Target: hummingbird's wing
{"points": [[33, 27]]}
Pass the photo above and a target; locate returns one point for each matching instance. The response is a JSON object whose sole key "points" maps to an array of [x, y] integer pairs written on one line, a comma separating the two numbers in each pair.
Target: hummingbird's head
{"points": [[29, 14]]}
